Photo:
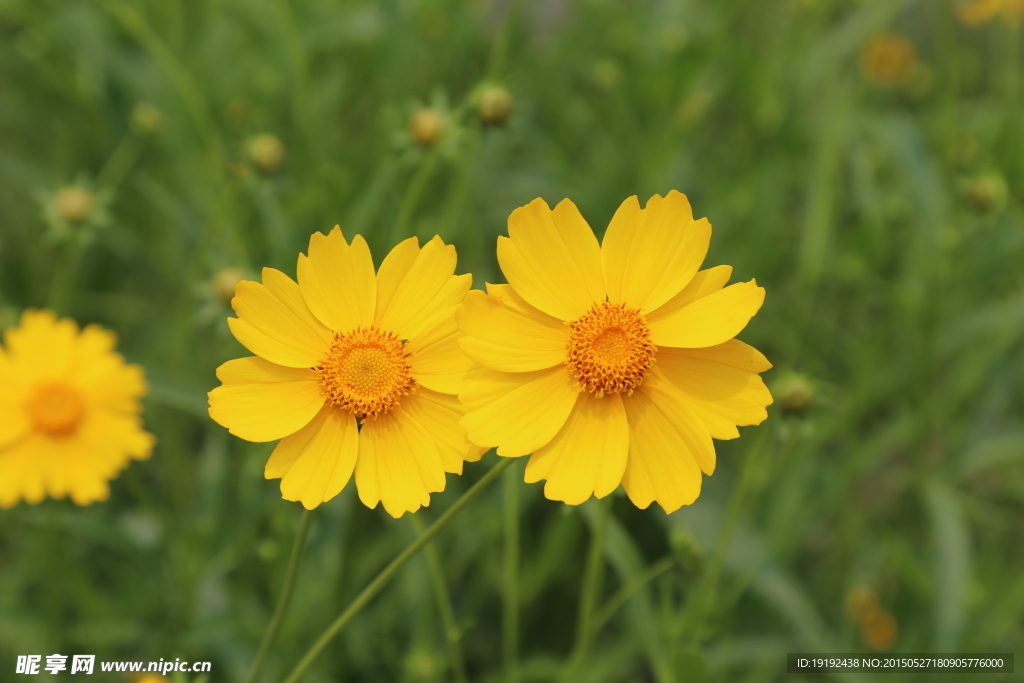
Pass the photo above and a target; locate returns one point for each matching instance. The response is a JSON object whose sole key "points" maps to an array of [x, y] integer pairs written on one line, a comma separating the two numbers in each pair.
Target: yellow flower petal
{"points": [[398, 464], [710, 320], [439, 415], [261, 401], [660, 468], [519, 412], [675, 405], [15, 423], [425, 289], [703, 283], [42, 345], [272, 329], [588, 455], [500, 338], [392, 271], [437, 360], [316, 462], [722, 394], [337, 281], [649, 256], [552, 259]]}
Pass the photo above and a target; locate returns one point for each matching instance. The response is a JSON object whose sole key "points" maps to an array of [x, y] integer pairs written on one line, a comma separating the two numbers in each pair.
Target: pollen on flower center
{"points": [[366, 372], [610, 349], [56, 409]]}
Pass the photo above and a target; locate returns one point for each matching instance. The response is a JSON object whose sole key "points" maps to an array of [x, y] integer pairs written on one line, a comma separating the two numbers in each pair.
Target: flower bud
{"points": [[426, 126], [795, 393], [147, 119], [224, 282], [267, 152], [73, 203], [494, 104], [987, 191], [889, 61]]}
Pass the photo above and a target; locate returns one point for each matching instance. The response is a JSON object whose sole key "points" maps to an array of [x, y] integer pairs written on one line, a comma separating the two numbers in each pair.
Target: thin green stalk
{"points": [[593, 582], [412, 194], [294, 562], [444, 606], [704, 595], [388, 573], [510, 578], [63, 284], [622, 596], [119, 164]]}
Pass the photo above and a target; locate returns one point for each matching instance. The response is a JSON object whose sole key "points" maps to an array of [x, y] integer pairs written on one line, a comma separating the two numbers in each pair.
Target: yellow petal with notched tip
{"points": [[552, 259], [337, 281], [588, 455], [261, 401], [649, 255], [710, 320]]}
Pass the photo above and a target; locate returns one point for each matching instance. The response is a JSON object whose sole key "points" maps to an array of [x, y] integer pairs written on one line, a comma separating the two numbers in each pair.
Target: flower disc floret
{"points": [[610, 349], [56, 409], [366, 372]]}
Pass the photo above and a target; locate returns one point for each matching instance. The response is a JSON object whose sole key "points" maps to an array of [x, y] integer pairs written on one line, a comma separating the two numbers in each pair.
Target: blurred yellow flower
{"points": [[611, 363], [889, 61], [342, 345], [878, 628], [977, 12], [69, 412], [267, 152]]}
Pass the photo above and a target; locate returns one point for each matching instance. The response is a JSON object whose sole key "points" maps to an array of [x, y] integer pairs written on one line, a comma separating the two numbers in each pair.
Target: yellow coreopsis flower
{"points": [[978, 12], [889, 61], [611, 363], [354, 371], [69, 411]]}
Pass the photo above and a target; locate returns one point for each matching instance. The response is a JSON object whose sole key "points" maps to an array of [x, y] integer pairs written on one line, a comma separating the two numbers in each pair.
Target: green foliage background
{"points": [[874, 217]]}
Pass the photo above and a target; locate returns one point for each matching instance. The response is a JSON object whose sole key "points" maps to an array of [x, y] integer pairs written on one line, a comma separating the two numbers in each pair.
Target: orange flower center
{"points": [[366, 372], [610, 349], [56, 409]]}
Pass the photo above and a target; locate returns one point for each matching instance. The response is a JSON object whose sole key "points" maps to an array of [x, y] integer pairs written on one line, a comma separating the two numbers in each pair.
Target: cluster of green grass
{"points": [[885, 224]]}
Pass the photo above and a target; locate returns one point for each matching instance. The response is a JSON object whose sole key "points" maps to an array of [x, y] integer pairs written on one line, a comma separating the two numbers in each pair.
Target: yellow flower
{"points": [[888, 61], [69, 411], [611, 363], [977, 12], [341, 344]]}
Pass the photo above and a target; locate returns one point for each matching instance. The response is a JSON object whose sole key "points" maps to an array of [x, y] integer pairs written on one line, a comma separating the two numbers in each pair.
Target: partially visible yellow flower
{"points": [[878, 627], [69, 411], [977, 12], [353, 372], [611, 363], [889, 61]]}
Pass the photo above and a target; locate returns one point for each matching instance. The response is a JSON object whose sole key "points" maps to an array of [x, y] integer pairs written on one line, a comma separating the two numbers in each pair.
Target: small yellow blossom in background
{"points": [[611, 363], [69, 411], [267, 152], [878, 627], [889, 61], [150, 678], [353, 372], [977, 12], [426, 126]]}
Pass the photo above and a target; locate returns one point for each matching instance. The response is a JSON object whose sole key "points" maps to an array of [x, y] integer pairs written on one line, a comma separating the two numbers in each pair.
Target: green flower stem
{"points": [[389, 572], [593, 582], [413, 193], [704, 596], [120, 164], [444, 606], [510, 578], [286, 597], [622, 596]]}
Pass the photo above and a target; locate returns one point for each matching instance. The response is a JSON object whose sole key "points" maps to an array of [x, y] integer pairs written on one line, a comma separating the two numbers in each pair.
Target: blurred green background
{"points": [[863, 160]]}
